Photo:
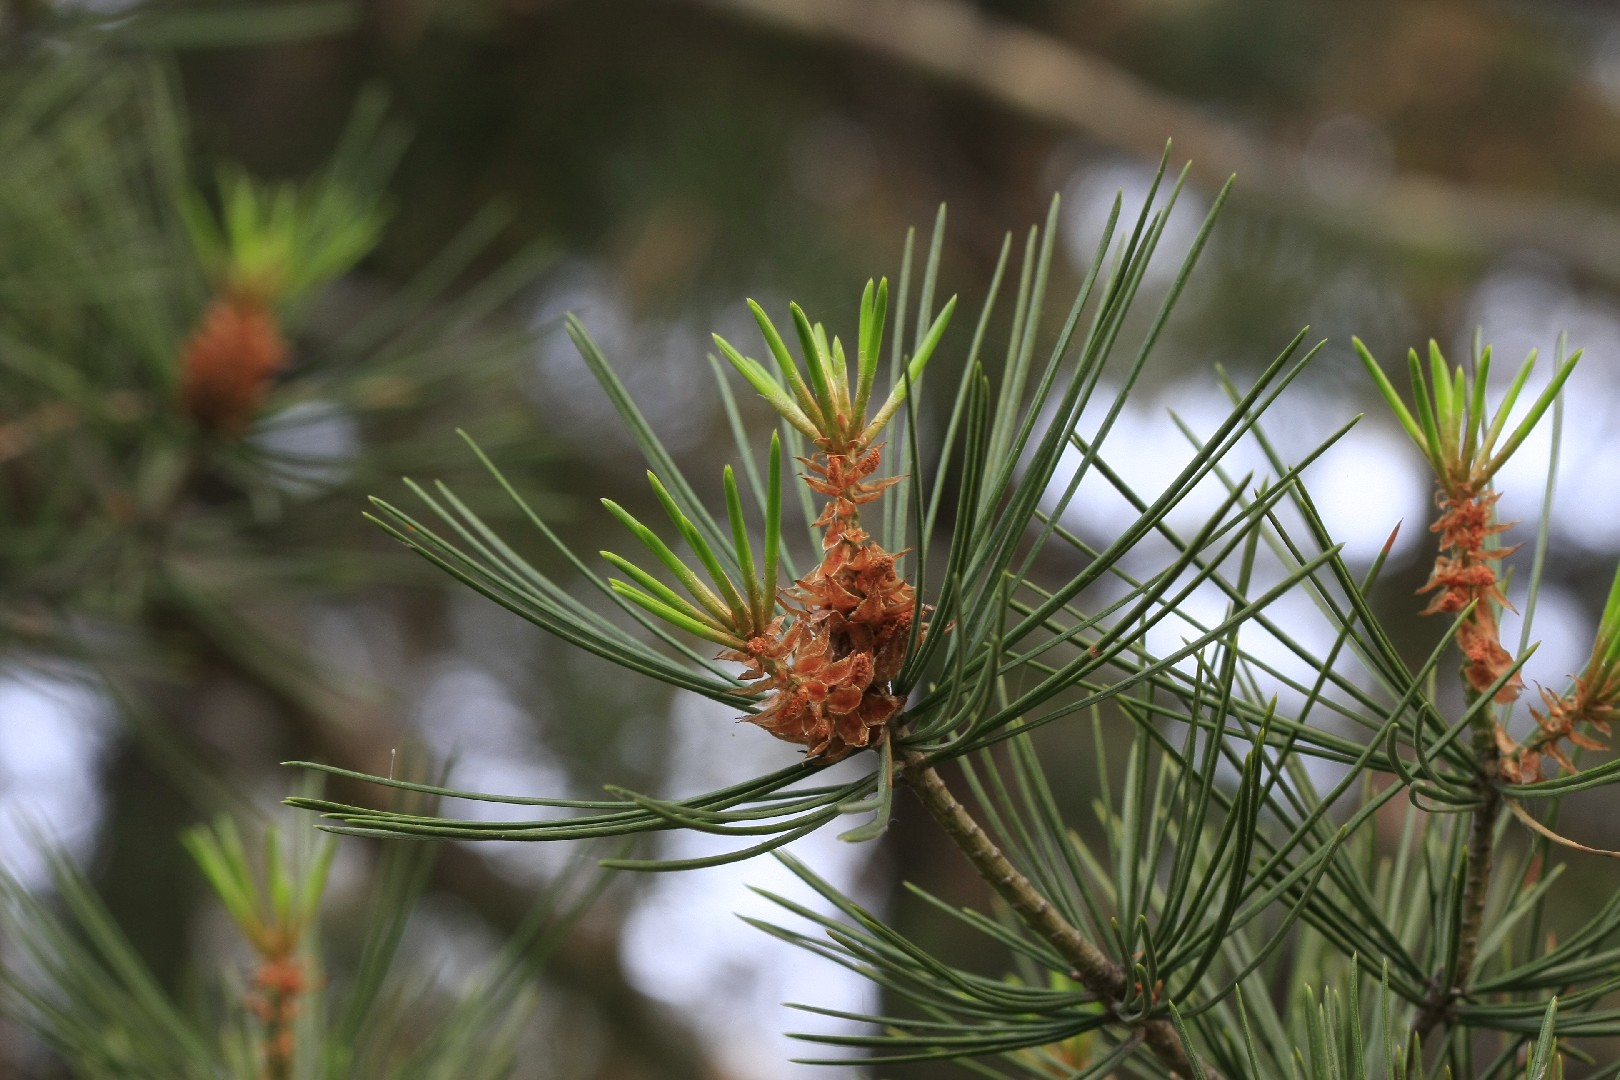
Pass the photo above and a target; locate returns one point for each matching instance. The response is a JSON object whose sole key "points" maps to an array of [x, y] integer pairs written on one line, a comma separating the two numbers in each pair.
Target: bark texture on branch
{"points": [[1091, 965]]}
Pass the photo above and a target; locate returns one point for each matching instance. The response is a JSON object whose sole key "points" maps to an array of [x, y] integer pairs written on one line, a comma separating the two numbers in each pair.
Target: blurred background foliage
{"points": [[180, 612]]}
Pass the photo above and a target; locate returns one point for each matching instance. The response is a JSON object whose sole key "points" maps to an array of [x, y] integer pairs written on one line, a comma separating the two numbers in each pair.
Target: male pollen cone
{"points": [[228, 362], [829, 672], [1463, 574]]}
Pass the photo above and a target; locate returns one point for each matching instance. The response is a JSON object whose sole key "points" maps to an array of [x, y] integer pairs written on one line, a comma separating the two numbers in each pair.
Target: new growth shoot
{"points": [[825, 651]]}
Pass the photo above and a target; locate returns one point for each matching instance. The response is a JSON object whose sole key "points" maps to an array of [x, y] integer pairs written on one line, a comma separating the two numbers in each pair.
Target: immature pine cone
{"points": [[227, 365]]}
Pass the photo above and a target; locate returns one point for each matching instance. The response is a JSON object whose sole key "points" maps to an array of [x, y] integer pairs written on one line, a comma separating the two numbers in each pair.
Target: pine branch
{"points": [[1092, 967], [350, 732], [1052, 81]]}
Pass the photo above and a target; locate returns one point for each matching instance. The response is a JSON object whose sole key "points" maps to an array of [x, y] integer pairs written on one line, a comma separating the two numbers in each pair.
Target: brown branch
{"points": [[1091, 966], [19, 436], [1452, 984], [1051, 80], [1481, 832]]}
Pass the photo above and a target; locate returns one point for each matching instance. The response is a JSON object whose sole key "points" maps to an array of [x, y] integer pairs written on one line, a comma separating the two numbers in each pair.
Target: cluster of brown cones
{"points": [[1565, 713], [828, 663], [227, 365], [1464, 576]]}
